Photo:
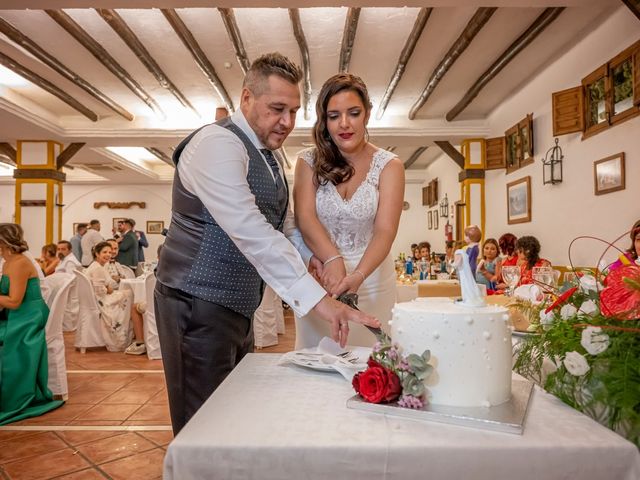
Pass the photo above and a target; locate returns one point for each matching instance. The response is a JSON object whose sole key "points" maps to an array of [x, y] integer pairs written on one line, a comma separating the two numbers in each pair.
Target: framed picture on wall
{"points": [[155, 226], [519, 201], [608, 174], [430, 220], [435, 219]]}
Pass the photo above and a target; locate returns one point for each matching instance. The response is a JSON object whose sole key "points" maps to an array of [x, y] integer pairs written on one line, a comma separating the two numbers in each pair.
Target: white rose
{"points": [[588, 282], [546, 318], [589, 307], [594, 341], [567, 311], [576, 364]]}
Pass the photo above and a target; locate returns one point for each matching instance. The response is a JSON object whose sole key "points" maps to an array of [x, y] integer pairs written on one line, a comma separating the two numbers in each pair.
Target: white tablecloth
{"points": [[136, 285], [284, 422]]}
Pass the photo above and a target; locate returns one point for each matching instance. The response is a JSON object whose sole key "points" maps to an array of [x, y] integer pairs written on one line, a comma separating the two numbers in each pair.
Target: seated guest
{"points": [[473, 235], [23, 316], [424, 249], [528, 249], [507, 244], [632, 255], [116, 271], [414, 251], [116, 306], [48, 260], [68, 261], [489, 267]]}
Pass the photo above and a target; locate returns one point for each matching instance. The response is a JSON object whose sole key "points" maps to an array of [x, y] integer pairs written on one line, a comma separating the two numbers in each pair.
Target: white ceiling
{"points": [[28, 112]]}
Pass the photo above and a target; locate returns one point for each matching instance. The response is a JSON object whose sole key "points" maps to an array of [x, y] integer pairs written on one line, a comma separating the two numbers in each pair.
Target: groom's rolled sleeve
{"points": [[213, 167]]}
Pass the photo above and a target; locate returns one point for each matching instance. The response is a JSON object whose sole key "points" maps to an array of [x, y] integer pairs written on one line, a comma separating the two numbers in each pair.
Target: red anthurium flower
{"points": [[561, 299], [621, 296]]}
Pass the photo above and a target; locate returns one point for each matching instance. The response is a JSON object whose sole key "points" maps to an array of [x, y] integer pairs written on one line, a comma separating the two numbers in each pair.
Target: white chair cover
{"points": [[88, 333], [279, 315], [265, 330], [53, 284], [151, 340], [55, 340], [128, 272]]}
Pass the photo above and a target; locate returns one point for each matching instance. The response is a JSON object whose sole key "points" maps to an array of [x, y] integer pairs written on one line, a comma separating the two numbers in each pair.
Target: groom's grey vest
{"points": [[198, 257]]}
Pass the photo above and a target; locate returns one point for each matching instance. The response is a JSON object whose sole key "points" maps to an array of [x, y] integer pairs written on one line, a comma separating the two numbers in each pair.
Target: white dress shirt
{"points": [[68, 264], [214, 167], [89, 240]]}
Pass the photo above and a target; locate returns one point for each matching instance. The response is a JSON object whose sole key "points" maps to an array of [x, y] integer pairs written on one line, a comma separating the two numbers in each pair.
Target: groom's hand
{"points": [[339, 315]]}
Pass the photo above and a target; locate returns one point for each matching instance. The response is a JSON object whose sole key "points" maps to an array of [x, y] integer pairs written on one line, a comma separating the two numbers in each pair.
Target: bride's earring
{"points": [[366, 134]]}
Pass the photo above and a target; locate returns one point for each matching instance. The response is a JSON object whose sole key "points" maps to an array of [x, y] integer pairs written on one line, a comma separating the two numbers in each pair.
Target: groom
{"points": [[230, 207]]}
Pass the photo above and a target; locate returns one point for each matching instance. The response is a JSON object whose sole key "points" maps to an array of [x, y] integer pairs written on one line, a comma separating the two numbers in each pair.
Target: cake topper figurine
{"points": [[471, 296]]}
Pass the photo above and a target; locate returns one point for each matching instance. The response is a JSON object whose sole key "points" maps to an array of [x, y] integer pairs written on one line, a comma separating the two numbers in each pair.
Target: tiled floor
{"points": [[115, 424]]}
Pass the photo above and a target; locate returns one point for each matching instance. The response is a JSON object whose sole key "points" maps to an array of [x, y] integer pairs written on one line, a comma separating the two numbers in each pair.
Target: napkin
{"points": [[327, 356], [529, 292]]}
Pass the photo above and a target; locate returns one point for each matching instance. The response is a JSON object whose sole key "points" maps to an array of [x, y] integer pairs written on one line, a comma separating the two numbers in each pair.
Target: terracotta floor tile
{"points": [[152, 413], [160, 398], [112, 448], [20, 448], [47, 465], [59, 416], [129, 395], [150, 423], [115, 380], [6, 435], [81, 396], [88, 474], [94, 423], [159, 437], [143, 466], [78, 437], [109, 412], [149, 379]]}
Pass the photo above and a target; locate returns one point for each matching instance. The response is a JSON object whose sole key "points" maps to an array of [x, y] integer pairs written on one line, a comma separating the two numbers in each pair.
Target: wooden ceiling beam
{"points": [[479, 19], [88, 42], [67, 154], [160, 155], [34, 49], [294, 15], [8, 151], [198, 54], [131, 40], [348, 38], [405, 55], [414, 156], [536, 28], [452, 152], [233, 31], [634, 6], [45, 84]]}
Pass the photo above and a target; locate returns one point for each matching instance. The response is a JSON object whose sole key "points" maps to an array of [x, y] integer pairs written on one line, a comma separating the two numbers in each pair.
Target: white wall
{"points": [[413, 222], [79, 200], [565, 211]]}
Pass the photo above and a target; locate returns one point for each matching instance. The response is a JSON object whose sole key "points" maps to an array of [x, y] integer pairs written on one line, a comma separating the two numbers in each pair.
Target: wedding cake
{"points": [[470, 349]]}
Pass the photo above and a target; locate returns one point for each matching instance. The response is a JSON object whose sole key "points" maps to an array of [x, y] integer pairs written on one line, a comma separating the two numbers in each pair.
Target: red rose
{"points": [[377, 384]]}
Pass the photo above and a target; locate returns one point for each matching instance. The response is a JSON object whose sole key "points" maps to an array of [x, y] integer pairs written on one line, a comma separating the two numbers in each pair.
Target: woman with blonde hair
{"points": [[348, 198], [23, 317]]}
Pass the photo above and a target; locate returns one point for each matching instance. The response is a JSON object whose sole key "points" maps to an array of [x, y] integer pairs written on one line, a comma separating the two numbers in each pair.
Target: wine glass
{"points": [[543, 276], [511, 276]]}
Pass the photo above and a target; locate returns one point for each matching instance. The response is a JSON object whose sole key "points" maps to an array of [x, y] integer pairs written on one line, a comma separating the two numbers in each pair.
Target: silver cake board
{"points": [[508, 417]]}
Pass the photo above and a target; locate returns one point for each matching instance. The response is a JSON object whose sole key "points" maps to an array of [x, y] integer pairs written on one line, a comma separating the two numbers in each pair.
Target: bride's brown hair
{"points": [[330, 165]]}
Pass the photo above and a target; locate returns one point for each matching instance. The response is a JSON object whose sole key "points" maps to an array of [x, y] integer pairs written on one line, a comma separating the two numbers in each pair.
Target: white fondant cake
{"points": [[470, 349]]}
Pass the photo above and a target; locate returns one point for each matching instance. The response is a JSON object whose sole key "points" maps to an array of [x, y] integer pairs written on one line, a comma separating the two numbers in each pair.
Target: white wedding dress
{"points": [[350, 226]]}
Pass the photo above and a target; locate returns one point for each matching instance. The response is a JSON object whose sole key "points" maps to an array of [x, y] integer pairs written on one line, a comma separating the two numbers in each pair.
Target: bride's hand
{"points": [[332, 275], [315, 267], [349, 284]]}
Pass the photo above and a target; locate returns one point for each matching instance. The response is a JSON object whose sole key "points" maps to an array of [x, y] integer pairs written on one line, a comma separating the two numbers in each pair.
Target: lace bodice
{"points": [[350, 222]]}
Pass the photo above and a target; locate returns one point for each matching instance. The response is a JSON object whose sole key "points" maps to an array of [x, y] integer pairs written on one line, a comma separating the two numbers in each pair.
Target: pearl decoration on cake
{"points": [[486, 335]]}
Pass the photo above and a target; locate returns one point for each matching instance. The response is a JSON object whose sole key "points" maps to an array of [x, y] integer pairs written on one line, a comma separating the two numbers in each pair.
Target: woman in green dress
{"points": [[23, 348]]}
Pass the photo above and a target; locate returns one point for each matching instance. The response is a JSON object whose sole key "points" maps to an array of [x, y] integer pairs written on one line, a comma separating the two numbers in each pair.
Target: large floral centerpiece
{"points": [[585, 347]]}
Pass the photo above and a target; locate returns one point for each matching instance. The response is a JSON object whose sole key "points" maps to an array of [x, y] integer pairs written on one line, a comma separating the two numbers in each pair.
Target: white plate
{"points": [[312, 364]]}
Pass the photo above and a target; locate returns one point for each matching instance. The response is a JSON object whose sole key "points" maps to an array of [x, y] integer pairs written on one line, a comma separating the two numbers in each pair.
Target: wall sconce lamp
{"points": [[444, 207], [552, 165]]}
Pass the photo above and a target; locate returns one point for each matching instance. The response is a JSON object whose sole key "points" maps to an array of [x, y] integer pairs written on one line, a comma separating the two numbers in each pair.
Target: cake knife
{"points": [[351, 299]]}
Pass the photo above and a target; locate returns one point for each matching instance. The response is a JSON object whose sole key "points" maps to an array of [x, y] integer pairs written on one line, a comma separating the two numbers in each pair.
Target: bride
{"points": [[348, 197]]}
